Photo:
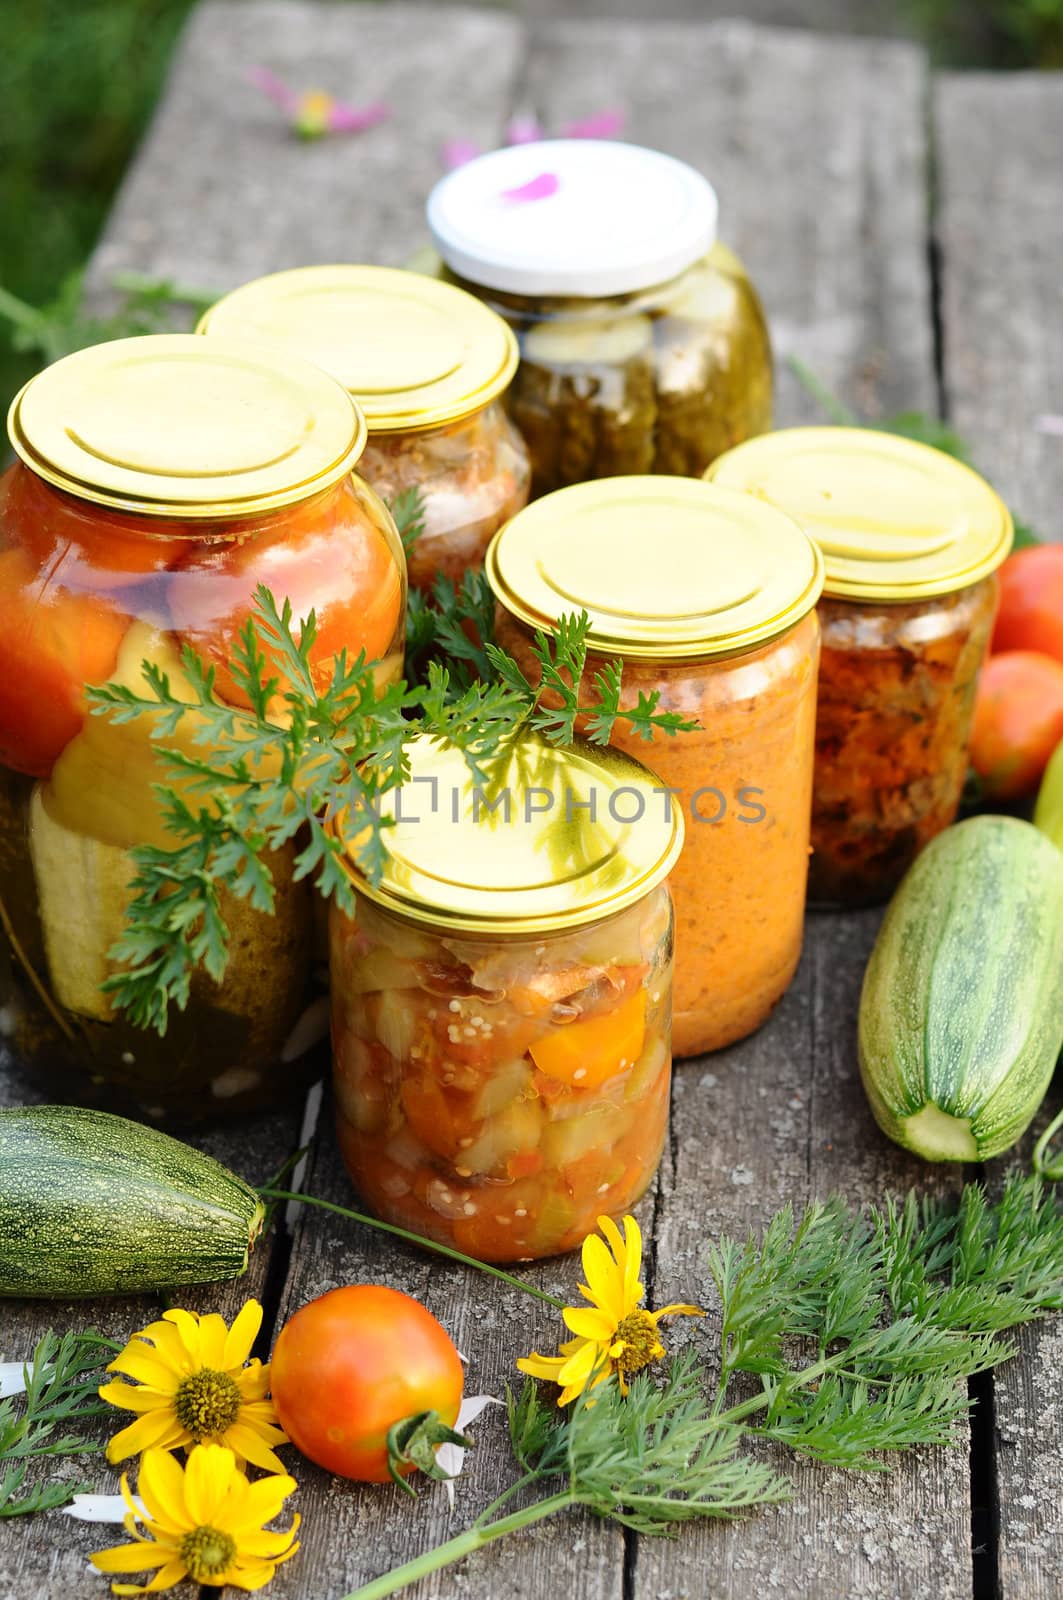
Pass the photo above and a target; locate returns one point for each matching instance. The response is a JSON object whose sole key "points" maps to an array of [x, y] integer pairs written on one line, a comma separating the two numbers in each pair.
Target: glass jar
{"points": [[427, 365], [161, 480], [911, 539], [708, 600], [501, 1001], [643, 346]]}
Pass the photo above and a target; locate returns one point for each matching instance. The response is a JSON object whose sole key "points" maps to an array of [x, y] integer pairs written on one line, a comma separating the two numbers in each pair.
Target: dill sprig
{"points": [[62, 1379], [274, 775]]}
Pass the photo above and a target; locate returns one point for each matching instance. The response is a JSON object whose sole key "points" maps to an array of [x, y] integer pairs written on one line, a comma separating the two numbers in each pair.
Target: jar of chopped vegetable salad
{"points": [[159, 482], [643, 346], [708, 598], [911, 539], [428, 366], [501, 1000]]}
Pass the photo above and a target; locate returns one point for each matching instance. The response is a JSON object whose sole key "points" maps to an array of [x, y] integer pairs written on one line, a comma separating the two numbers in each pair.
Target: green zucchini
{"points": [[92, 1204], [961, 1014]]}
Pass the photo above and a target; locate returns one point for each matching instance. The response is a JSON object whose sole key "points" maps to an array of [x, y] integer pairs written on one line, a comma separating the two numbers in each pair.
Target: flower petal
{"points": [[604, 1278], [144, 1365], [135, 1397], [13, 1377], [248, 1444], [139, 1557], [98, 1508], [679, 1311], [266, 1497], [456, 152], [589, 1324], [345, 118], [207, 1475], [540, 187], [175, 1572], [212, 1336], [536, 1366], [265, 1545], [524, 130], [599, 125], [158, 1430], [162, 1485], [578, 1367], [187, 1326], [271, 86], [242, 1335]]}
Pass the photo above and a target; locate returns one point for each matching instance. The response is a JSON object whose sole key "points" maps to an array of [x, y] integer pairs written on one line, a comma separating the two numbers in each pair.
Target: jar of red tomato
{"points": [[159, 482], [708, 599], [911, 540], [501, 1001], [428, 366]]}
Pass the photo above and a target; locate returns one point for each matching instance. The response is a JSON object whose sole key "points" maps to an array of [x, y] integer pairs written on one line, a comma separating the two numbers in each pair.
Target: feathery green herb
{"points": [[62, 1378], [54, 330]]}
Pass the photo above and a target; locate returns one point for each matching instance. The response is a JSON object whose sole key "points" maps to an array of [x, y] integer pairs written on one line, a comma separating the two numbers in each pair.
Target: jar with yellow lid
{"points": [[159, 481], [643, 346], [501, 1001], [911, 539], [708, 598], [428, 366]]}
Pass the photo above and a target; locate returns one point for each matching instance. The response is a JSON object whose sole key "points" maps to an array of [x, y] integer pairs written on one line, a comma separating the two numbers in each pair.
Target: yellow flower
{"points": [[204, 1521], [618, 1334], [191, 1386]]}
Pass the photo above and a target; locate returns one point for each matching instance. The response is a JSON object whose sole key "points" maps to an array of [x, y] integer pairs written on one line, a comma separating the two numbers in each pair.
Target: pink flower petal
{"points": [[524, 130], [540, 188], [344, 118], [600, 125], [456, 152], [272, 87]]}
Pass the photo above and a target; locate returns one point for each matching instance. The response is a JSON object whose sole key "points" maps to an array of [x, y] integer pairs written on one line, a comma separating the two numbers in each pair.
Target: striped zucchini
{"points": [[92, 1204], [961, 1015]]}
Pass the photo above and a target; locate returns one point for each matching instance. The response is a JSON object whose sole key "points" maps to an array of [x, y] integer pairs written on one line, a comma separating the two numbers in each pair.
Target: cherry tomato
{"points": [[1031, 602], [331, 560], [351, 1364], [1018, 721], [51, 644], [88, 548]]}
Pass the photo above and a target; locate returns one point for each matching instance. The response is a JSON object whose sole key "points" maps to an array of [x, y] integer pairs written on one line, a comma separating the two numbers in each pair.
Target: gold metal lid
{"points": [[666, 568], [895, 520], [169, 425], [415, 353], [558, 837]]}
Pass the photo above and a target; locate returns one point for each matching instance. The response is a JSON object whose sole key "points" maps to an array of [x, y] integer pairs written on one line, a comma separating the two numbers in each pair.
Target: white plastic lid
{"points": [[620, 218]]}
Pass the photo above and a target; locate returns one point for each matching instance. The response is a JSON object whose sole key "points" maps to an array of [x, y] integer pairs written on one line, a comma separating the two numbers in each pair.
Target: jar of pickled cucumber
{"points": [[501, 1000], [643, 346], [159, 481], [428, 365], [911, 539], [708, 599]]}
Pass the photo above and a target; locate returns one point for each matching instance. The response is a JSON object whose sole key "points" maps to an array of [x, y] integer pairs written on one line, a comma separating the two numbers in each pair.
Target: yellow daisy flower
{"points": [[617, 1333], [203, 1521], [193, 1384]]}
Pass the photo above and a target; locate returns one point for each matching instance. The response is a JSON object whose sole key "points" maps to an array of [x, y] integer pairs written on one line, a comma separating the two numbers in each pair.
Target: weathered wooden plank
{"points": [[1000, 227], [222, 191], [817, 148]]}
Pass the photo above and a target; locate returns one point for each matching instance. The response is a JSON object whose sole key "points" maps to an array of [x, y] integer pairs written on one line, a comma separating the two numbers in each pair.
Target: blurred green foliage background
{"points": [[79, 78]]}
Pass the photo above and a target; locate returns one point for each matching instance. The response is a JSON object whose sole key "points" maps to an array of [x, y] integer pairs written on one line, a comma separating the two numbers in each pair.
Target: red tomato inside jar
{"points": [[160, 482], [501, 1001]]}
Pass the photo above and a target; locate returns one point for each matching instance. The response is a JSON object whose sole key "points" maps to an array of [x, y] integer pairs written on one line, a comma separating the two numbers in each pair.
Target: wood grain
{"points": [[1000, 228]]}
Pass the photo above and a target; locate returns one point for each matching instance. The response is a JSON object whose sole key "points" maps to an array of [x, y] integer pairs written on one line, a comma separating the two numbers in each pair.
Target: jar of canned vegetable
{"points": [[643, 347], [428, 366], [159, 481], [708, 599], [501, 999], [911, 539]]}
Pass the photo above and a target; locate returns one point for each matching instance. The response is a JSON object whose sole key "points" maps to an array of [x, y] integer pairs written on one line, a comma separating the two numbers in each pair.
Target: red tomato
{"points": [[51, 644], [1031, 602], [1018, 721], [87, 547], [351, 1364], [333, 562]]}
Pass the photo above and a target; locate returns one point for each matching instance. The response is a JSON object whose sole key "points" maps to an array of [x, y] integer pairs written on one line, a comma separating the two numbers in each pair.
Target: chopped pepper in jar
{"points": [[709, 602], [911, 540], [643, 346], [501, 1030], [428, 365]]}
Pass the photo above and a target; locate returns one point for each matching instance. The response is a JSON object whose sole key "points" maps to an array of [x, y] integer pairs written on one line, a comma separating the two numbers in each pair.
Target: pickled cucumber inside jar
{"points": [[643, 344], [115, 553], [428, 365], [500, 1087]]}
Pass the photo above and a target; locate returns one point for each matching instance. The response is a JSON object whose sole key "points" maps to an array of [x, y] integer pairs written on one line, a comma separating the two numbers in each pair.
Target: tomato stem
{"points": [[463, 1545], [270, 1193]]}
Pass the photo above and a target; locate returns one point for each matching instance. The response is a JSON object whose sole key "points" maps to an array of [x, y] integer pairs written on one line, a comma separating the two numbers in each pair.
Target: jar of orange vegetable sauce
{"points": [[708, 598], [428, 365], [159, 481], [911, 539], [501, 1001]]}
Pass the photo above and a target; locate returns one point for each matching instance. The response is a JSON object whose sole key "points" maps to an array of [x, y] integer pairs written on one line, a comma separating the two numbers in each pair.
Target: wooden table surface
{"points": [[907, 236]]}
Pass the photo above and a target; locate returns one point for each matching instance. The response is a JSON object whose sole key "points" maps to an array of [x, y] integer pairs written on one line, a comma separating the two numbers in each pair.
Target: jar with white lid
{"points": [[643, 344]]}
